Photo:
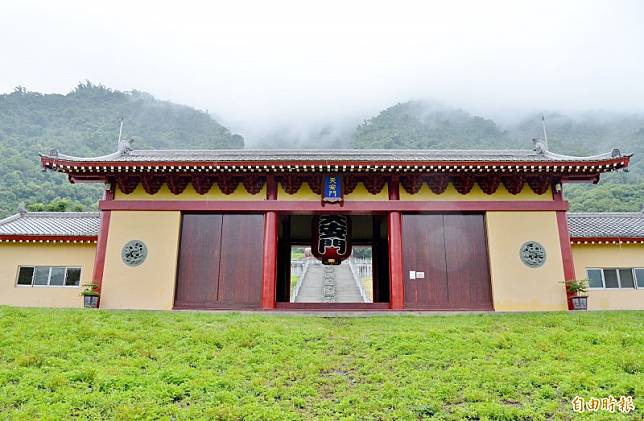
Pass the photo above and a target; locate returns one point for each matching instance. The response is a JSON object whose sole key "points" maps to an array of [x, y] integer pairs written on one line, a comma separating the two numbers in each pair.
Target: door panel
{"points": [[198, 273], [220, 261], [240, 272], [451, 250], [467, 262], [424, 251]]}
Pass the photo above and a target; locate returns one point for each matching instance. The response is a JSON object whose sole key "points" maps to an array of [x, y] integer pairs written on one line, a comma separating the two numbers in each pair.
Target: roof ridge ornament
{"points": [[22, 210], [539, 146], [125, 146]]}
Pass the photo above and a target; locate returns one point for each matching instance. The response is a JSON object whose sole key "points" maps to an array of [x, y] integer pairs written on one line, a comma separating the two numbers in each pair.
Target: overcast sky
{"points": [[262, 65]]}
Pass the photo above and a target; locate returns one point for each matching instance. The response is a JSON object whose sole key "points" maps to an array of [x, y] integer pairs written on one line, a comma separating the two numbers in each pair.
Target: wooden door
{"points": [[240, 269], [220, 261], [424, 251], [199, 254], [451, 251]]}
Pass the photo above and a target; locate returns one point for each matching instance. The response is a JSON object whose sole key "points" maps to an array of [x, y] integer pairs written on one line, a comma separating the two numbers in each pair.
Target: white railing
{"points": [[364, 268], [299, 268], [355, 271]]}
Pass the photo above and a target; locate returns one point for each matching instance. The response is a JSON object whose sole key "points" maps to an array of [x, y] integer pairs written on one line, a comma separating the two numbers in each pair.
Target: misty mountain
{"points": [[417, 125], [426, 125], [85, 122]]}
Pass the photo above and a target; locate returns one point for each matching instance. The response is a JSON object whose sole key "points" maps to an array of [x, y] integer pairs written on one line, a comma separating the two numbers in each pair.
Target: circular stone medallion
{"points": [[134, 253], [532, 254]]}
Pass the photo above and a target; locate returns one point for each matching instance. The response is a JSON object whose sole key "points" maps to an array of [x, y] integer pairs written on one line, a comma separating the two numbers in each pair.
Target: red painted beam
{"points": [[396, 276], [361, 207]]}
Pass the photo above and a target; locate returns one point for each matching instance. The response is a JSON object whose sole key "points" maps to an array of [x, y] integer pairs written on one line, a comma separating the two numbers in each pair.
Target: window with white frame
{"points": [[611, 278], [53, 276]]}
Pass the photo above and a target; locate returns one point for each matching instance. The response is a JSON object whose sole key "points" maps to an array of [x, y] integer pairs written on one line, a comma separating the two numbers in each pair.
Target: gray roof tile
{"points": [[606, 225], [338, 155], [51, 224]]}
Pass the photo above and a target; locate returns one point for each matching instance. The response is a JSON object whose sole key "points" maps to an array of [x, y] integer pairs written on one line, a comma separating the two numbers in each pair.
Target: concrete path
{"points": [[328, 284]]}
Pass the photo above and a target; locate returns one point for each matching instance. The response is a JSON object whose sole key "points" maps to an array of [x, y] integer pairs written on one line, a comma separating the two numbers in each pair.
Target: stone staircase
{"points": [[328, 284]]}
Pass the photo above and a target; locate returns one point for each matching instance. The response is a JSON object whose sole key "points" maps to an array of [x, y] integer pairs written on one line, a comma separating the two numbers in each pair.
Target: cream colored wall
{"points": [[610, 256], [189, 193], [476, 194], [515, 286], [304, 193], [361, 193], [13, 255], [150, 285]]}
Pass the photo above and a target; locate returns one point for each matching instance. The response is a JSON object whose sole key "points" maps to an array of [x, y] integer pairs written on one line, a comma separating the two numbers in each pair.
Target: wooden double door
{"points": [[220, 261], [447, 255]]}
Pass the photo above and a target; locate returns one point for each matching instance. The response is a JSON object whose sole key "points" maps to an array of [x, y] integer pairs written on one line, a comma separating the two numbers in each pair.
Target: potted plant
{"points": [[90, 296], [577, 290]]}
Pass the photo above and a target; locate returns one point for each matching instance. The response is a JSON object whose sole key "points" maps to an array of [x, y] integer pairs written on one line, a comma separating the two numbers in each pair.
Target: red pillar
{"points": [[269, 278], [101, 245], [566, 249], [396, 278]]}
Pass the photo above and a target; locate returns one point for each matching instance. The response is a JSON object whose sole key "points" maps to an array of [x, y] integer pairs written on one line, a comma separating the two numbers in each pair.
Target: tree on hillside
{"points": [[85, 122]]}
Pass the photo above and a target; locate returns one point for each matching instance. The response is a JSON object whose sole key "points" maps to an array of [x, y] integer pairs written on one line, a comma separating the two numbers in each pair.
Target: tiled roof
{"points": [[58, 224], [606, 225], [326, 156]]}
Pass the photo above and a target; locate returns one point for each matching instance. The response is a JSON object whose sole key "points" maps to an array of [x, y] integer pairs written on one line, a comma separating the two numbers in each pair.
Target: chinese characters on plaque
{"points": [[332, 189]]}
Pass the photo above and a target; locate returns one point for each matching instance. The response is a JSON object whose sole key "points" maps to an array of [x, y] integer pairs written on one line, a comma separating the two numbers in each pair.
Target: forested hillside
{"points": [[85, 122], [421, 125]]}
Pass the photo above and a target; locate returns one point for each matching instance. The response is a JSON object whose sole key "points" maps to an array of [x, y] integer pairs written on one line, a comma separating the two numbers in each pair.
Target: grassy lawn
{"points": [[58, 364]]}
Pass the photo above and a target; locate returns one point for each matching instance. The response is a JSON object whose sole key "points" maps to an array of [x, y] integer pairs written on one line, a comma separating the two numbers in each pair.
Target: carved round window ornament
{"points": [[532, 254], [134, 253]]}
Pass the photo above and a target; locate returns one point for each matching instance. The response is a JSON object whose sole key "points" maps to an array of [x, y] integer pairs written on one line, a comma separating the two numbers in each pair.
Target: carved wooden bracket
{"points": [[437, 183], [513, 183], [315, 183], [202, 183], [127, 183], [539, 183], [489, 183], [349, 183], [411, 183], [178, 183], [227, 183], [291, 183], [374, 183], [463, 183], [152, 182], [253, 183]]}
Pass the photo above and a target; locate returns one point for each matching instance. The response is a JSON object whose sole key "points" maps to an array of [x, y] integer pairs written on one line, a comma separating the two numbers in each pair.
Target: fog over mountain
{"points": [[299, 69]]}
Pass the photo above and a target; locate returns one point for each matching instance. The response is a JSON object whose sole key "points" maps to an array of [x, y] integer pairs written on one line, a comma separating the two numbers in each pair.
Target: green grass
{"points": [[57, 364]]}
